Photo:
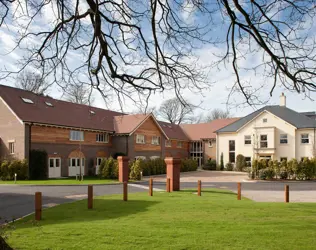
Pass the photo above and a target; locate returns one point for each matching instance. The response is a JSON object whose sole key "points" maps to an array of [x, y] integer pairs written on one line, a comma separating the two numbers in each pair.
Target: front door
{"points": [[76, 166], [54, 168]]}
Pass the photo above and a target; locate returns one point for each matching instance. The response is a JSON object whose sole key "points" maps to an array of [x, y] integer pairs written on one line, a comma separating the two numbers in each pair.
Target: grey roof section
{"points": [[298, 120]]}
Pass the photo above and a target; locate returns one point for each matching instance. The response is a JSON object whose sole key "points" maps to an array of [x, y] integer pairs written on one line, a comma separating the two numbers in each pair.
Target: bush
{"points": [[38, 165], [307, 169], [229, 166], [108, 169], [4, 170], [135, 170], [188, 165], [153, 167], [292, 166], [9, 168], [283, 173], [222, 162], [240, 162], [210, 165]]}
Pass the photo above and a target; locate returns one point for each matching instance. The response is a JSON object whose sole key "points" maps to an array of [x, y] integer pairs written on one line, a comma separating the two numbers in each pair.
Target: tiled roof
{"points": [[298, 120], [196, 132], [61, 113], [126, 124], [173, 131]]}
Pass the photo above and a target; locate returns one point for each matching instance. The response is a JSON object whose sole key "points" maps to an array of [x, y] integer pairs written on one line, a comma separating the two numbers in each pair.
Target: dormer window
{"points": [[49, 104], [26, 100]]}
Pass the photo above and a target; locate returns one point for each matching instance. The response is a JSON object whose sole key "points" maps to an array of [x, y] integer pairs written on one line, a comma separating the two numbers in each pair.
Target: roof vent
{"points": [[92, 112], [26, 100], [49, 104]]}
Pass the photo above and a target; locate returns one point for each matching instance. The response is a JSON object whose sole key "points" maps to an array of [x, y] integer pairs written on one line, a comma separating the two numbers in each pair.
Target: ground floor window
{"points": [[99, 160], [248, 161], [140, 157]]}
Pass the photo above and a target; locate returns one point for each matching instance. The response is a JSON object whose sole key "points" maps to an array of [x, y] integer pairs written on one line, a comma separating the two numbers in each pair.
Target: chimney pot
{"points": [[283, 100]]}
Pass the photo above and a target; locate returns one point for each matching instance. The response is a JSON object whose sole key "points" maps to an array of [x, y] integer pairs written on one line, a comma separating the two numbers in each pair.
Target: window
{"points": [[140, 139], [283, 138], [140, 158], [232, 151], [210, 143], [304, 138], [168, 143], [154, 157], [179, 144], [264, 120], [99, 160], [155, 140], [75, 162], [76, 135], [283, 159], [57, 162], [26, 100], [51, 162], [49, 104], [263, 141], [92, 112], [102, 138], [248, 161], [247, 139], [11, 148]]}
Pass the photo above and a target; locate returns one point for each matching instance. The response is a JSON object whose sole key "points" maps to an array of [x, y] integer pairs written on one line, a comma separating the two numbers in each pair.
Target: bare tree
{"points": [[145, 110], [174, 111], [78, 94], [217, 114], [135, 48], [194, 119], [32, 82]]}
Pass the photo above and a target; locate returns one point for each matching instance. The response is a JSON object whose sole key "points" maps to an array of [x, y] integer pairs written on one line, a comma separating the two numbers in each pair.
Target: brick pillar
{"points": [[173, 172], [123, 168]]}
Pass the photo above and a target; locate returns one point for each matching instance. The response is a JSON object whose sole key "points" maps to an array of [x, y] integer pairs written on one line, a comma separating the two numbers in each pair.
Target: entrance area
{"points": [[76, 166], [54, 167]]}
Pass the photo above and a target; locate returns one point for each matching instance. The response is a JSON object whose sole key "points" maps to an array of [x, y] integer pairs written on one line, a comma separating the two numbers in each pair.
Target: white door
{"points": [[99, 160], [75, 164], [54, 167]]}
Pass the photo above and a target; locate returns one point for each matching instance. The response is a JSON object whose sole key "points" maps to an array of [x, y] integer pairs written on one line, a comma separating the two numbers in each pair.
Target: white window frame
{"points": [[140, 157], [11, 147], [247, 138], [155, 140], [302, 135], [140, 139], [76, 135], [81, 162], [168, 143], [102, 137], [154, 157], [99, 159], [283, 140], [179, 144]]}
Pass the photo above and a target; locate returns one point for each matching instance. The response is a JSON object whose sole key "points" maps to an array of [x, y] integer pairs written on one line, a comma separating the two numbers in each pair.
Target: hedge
{"points": [[210, 165], [9, 168], [108, 169], [38, 165]]}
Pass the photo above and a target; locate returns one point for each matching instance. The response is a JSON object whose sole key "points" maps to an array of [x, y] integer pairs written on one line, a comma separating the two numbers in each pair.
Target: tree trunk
{"points": [[4, 245]]}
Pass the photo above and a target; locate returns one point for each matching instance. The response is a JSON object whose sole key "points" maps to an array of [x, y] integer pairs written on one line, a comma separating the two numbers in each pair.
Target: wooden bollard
{"points": [[168, 185], [38, 205], [199, 187], [125, 191], [287, 194], [239, 191], [90, 197], [151, 187]]}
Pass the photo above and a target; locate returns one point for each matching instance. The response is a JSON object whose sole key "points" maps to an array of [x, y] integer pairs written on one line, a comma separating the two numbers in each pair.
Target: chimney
{"points": [[282, 100]]}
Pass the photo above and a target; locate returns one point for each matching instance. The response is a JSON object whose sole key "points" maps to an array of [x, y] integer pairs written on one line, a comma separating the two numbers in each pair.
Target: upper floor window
{"points": [[179, 144], [76, 135], [283, 138], [155, 140], [305, 138], [140, 139], [168, 143], [264, 120], [102, 138], [210, 143], [11, 148], [247, 139], [263, 141]]}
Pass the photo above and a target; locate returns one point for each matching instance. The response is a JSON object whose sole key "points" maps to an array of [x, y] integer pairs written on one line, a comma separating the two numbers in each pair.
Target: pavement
{"points": [[18, 200]]}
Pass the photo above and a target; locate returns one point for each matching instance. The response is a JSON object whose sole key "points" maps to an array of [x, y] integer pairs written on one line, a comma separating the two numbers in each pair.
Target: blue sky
{"points": [[220, 78]]}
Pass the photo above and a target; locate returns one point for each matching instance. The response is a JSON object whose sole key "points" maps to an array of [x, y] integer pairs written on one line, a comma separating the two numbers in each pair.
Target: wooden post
{"points": [[151, 187], [90, 197], [287, 194], [239, 191], [38, 205], [168, 185], [125, 190], [199, 187]]}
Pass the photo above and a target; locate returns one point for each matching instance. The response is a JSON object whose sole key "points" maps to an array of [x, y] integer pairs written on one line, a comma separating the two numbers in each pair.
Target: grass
{"points": [[179, 220], [62, 181]]}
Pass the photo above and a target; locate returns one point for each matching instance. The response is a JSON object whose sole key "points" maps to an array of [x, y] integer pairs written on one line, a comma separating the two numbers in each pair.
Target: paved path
{"points": [[17, 201]]}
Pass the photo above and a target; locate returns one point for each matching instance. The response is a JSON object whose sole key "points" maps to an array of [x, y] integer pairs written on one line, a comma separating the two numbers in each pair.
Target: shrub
{"points": [[188, 165], [210, 165], [307, 169], [240, 162], [38, 165], [222, 162], [20, 168], [251, 173], [153, 167], [255, 167], [283, 173], [101, 167], [135, 170], [4, 170], [108, 169], [229, 166]]}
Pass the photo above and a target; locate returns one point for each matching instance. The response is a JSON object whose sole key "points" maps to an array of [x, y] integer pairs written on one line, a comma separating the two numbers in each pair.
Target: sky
{"points": [[221, 79]]}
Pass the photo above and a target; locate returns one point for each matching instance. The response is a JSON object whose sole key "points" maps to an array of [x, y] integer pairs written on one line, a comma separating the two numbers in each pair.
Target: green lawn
{"points": [[179, 220], [63, 181]]}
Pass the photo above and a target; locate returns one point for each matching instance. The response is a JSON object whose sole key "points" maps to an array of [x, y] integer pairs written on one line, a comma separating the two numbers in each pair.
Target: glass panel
{"points": [[232, 145], [78, 162], [232, 157], [51, 163], [57, 163], [82, 161], [73, 162]]}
